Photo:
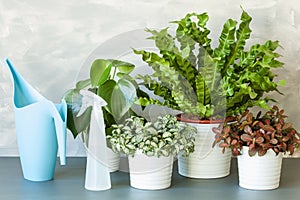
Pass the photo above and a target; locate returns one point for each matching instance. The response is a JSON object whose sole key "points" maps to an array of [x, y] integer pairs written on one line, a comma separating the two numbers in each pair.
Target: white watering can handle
{"points": [[60, 127]]}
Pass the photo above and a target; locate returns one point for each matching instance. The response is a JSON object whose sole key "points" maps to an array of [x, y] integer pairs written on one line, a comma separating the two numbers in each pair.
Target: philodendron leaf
{"points": [[76, 124], [105, 91], [100, 71], [122, 98], [123, 67], [83, 84]]}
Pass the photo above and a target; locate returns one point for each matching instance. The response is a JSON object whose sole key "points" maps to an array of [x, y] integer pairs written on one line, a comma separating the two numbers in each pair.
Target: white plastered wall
{"points": [[50, 40]]}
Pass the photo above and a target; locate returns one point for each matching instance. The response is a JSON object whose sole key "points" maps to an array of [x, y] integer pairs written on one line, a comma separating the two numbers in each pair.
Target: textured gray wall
{"points": [[50, 40]]}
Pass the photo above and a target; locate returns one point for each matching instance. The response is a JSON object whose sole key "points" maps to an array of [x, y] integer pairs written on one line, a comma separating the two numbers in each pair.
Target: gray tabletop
{"points": [[68, 183]]}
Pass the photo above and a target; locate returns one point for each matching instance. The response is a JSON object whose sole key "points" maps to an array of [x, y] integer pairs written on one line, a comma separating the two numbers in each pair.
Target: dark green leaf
{"points": [[105, 91], [99, 71], [122, 98]]}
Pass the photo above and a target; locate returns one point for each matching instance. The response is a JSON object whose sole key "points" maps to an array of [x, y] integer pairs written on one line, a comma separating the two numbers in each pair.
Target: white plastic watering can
{"points": [[40, 127]]}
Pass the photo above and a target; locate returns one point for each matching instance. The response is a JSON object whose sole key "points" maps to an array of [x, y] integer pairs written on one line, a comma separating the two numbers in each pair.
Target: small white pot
{"points": [[259, 172], [150, 173], [205, 162], [113, 160]]}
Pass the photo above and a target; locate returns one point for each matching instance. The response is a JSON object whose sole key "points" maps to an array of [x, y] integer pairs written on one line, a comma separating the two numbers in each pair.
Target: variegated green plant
{"points": [[208, 82], [166, 136]]}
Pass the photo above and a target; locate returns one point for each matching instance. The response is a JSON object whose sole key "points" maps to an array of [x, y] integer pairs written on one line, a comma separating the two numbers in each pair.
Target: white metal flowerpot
{"points": [[259, 172], [150, 173], [205, 162]]}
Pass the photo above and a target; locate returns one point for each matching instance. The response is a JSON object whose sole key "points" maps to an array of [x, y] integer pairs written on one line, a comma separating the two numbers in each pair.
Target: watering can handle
{"points": [[60, 128]]}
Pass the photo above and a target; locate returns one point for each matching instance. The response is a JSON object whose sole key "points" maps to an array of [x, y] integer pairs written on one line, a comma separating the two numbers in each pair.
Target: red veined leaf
{"points": [[230, 119], [284, 147], [255, 122], [267, 137], [260, 124], [287, 125], [249, 117], [247, 129], [268, 128], [252, 152], [234, 142], [246, 138], [275, 108], [223, 144], [251, 146], [267, 121], [281, 112], [274, 141], [235, 152], [298, 141], [278, 126], [285, 139], [226, 130], [216, 130], [281, 121], [245, 113], [259, 140], [262, 152]]}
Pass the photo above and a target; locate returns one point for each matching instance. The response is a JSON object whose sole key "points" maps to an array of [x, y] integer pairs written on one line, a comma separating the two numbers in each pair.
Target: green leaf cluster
{"points": [[166, 136], [110, 80], [207, 82]]}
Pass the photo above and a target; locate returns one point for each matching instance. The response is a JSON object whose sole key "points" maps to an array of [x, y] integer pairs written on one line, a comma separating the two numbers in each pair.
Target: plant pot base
{"points": [[150, 173], [259, 173], [205, 162], [216, 165]]}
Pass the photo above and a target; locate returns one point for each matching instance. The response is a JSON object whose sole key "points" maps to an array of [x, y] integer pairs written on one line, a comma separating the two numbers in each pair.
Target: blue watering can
{"points": [[41, 129]]}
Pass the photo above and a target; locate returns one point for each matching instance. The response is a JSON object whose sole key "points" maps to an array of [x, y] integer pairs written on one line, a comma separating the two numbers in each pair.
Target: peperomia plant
{"points": [[166, 136], [259, 133], [110, 80], [208, 82]]}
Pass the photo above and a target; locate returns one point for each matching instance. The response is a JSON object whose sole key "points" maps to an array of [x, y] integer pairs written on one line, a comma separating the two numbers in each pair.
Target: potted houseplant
{"points": [[209, 84], [259, 143], [150, 147], [108, 80]]}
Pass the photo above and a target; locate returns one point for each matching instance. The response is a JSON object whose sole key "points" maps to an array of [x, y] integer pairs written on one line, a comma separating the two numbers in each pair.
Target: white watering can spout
{"points": [[40, 127]]}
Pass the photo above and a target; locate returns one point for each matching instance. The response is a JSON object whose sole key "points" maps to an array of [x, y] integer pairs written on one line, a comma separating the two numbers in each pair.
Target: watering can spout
{"points": [[24, 93]]}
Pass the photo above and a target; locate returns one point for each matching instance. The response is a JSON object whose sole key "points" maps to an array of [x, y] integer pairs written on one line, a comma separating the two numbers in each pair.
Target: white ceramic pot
{"points": [[259, 172], [150, 173], [205, 162], [113, 160]]}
